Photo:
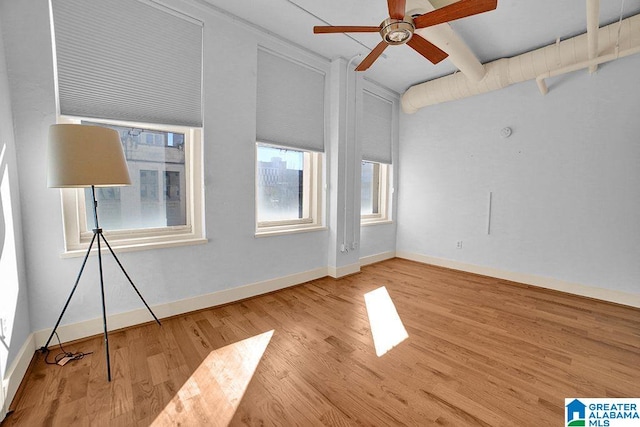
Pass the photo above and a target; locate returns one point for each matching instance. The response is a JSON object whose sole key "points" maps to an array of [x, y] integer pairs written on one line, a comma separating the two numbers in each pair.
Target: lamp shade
{"points": [[82, 156]]}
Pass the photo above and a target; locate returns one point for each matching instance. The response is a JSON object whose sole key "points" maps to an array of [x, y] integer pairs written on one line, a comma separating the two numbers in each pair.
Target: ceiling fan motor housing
{"points": [[397, 31]]}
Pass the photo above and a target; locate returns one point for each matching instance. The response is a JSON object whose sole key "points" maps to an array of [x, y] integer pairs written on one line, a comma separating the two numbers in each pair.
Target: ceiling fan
{"points": [[399, 29]]}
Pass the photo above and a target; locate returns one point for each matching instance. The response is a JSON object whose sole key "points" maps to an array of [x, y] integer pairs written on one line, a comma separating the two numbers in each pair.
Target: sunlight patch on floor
{"points": [[213, 392], [386, 327]]}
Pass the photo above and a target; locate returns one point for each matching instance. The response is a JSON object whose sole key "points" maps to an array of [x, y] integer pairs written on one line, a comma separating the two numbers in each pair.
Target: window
{"points": [[101, 73], [162, 207], [374, 190], [287, 195], [378, 133], [290, 134]]}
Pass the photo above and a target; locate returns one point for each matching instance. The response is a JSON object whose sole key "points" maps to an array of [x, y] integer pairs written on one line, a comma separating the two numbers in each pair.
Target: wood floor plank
{"points": [[479, 351]]}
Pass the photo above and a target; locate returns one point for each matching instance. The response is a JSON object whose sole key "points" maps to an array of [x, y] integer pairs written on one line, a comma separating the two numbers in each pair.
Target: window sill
{"points": [[288, 230], [368, 222], [120, 247]]}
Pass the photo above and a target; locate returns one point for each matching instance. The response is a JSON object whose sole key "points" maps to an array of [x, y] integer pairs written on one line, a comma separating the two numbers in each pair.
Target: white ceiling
{"points": [[516, 26]]}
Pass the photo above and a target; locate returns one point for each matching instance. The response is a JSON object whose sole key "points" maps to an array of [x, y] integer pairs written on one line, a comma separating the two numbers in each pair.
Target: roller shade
{"points": [[376, 132], [290, 103], [128, 60]]}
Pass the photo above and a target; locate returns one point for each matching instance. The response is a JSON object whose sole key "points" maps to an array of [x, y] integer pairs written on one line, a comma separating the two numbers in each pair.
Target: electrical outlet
{"points": [[459, 244]]}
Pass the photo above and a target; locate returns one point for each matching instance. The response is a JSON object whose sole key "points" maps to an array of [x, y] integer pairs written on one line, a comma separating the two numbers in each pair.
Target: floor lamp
{"points": [[89, 156]]}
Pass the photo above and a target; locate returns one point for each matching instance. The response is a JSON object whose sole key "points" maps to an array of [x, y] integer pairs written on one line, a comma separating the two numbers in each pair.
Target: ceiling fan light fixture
{"points": [[397, 31]]}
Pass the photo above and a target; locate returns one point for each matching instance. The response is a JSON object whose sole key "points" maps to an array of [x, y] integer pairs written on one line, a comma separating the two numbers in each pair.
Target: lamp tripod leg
{"points": [[44, 348], [104, 309], [129, 279]]}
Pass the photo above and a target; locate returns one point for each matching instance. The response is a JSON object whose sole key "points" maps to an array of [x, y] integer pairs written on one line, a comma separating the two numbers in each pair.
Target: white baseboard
{"points": [[372, 259], [15, 373], [609, 295], [337, 272], [91, 327]]}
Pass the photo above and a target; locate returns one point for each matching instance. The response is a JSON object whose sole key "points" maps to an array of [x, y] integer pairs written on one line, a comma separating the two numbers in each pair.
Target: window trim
{"points": [[312, 201], [78, 234], [382, 216]]}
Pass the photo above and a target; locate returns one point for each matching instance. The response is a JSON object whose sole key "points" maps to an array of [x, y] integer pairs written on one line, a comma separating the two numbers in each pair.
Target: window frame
{"points": [[382, 216], [78, 234], [312, 196]]}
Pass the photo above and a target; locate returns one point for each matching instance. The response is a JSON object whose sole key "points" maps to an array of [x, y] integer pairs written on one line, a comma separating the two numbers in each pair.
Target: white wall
{"points": [[233, 256], [566, 199], [14, 310]]}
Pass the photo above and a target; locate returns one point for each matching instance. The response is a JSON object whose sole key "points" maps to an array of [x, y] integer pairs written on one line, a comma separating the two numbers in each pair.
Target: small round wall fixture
{"points": [[505, 132]]}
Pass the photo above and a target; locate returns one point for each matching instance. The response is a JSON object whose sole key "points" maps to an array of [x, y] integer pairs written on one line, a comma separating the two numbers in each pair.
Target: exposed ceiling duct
{"points": [[446, 39], [614, 41], [593, 16]]}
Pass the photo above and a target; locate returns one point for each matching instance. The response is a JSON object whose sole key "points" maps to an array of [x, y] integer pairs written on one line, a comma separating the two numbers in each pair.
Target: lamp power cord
{"points": [[63, 357]]}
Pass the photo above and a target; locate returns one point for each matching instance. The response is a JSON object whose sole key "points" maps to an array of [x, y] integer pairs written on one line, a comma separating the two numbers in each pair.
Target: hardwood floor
{"points": [[480, 351]]}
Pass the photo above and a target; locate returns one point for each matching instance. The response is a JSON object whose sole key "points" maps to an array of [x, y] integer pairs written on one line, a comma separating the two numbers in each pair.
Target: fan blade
{"points": [[375, 53], [430, 51], [397, 8], [345, 29], [457, 10]]}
